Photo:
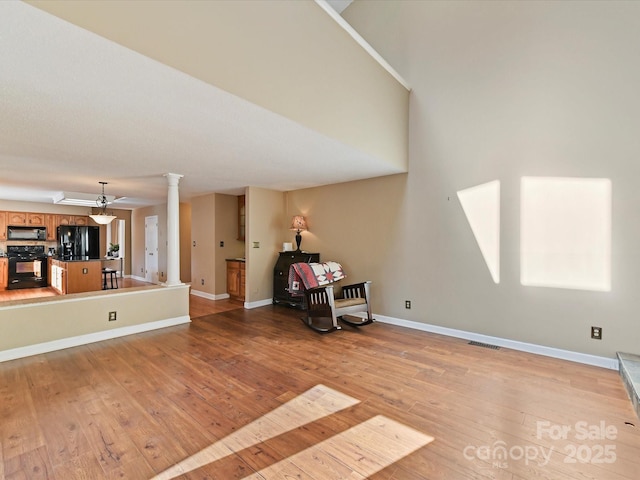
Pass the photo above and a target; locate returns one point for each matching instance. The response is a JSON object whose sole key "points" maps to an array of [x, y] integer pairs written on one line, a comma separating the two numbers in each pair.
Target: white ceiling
{"points": [[77, 109]]}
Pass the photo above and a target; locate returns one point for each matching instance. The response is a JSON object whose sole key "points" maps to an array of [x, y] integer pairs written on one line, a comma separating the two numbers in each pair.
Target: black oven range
{"points": [[27, 266]]}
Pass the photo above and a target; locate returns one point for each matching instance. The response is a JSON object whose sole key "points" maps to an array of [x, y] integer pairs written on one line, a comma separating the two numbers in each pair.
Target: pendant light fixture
{"points": [[102, 218]]}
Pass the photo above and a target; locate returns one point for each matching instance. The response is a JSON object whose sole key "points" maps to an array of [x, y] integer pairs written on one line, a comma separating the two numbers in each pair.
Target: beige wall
{"points": [[226, 218], [203, 249], [503, 90], [138, 241], [357, 224], [76, 315], [214, 220], [289, 57], [104, 241], [185, 242], [265, 224]]}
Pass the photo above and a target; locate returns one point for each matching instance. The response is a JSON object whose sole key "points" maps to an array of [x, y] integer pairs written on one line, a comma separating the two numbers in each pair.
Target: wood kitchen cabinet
{"points": [[16, 218], [25, 218], [3, 225], [73, 219], [4, 273], [51, 222], [76, 277], [35, 219], [235, 279]]}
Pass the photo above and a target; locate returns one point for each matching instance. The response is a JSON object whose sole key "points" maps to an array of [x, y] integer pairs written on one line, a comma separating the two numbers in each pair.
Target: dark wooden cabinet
{"points": [[281, 277]]}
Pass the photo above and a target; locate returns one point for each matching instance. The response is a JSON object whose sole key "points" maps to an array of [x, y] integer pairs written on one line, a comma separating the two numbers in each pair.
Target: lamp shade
{"points": [[102, 219], [298, 222]]}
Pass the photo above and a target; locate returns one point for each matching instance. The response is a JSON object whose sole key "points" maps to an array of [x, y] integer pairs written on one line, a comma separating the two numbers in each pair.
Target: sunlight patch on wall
{"points": [[565, 233], [481, 205]]}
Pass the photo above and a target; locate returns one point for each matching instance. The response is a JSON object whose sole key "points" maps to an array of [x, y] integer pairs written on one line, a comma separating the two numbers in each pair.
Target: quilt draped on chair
{"points": [[303, 276]]}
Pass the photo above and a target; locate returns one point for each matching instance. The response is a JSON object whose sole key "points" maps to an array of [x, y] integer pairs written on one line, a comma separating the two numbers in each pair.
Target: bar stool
{"points": [[112, 274]]}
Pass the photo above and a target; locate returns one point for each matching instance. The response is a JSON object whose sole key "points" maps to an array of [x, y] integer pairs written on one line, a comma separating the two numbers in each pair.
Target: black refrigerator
{"points": [[78, 242]]}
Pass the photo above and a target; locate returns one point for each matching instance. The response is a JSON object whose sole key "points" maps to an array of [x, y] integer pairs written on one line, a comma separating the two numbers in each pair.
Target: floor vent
{"points": [[484, 345]]}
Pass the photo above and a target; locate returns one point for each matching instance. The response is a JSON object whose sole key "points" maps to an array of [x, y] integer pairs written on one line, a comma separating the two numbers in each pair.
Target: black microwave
{"points": [[26, 233]]}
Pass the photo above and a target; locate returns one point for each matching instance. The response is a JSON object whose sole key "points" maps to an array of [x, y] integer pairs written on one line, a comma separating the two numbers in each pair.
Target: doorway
{"points": [[151, 249]]}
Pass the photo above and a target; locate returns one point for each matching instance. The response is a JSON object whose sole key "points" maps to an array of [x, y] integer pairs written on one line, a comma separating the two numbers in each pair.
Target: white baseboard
{"points": [[247, 305], [587, 359], [63, 343], [140, 279], [259, 303], [209, 296]]}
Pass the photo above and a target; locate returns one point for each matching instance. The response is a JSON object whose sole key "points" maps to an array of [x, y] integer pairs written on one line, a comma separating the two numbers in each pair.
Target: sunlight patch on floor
{"points": [[356, 453], [317, 402]]}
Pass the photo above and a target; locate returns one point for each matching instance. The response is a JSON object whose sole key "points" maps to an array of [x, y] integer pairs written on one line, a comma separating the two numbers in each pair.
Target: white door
{"points": [[151, 249]]}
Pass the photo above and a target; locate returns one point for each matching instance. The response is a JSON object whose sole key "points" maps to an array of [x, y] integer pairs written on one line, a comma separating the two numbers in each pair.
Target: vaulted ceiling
{"points": [[78, 108]]}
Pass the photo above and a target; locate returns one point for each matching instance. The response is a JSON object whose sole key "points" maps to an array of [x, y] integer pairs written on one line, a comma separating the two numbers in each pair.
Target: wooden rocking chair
{"points": [[320, 302]]}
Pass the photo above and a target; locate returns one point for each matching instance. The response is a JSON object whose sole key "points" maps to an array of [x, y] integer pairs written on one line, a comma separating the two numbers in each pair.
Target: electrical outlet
{"points": [[407, 304], [194, 243], [112, 316], [202, 281], [221, 243], [596, 333]]}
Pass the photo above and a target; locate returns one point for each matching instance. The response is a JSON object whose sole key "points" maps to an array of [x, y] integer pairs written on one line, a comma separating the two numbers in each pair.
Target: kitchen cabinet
{"points": [[55, 276], [281, 277], [76, 277], [26, 219], [4, 273], [35, 219], [236, 279], [51, 222], [3, 225], [16, 218], [241, 217], [73, 220]]}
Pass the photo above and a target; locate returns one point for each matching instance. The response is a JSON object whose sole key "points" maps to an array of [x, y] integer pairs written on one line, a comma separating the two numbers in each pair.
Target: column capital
{"points": [[173, 178]]}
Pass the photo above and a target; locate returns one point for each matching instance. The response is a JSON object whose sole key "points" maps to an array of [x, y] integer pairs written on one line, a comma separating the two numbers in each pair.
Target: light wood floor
{"points": [[254, 394]]}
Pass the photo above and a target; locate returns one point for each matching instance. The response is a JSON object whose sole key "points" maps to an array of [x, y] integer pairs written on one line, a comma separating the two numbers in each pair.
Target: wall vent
{"points": [[484, 345]]}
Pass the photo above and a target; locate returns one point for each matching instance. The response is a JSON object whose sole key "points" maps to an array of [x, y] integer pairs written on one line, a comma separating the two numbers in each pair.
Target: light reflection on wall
{"points": [[481, 205], [565, 233]]}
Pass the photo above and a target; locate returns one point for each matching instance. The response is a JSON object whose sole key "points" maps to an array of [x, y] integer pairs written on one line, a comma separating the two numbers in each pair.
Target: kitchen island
{"points": [[75, 275]]}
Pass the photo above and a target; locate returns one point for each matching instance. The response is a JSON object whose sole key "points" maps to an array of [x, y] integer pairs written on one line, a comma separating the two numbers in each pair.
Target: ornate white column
{"points": [[173, 230]]}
